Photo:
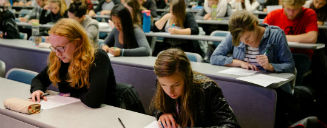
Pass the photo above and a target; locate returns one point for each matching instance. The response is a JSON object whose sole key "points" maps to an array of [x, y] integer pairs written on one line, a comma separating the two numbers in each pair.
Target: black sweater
{"points": [[102, 82]]}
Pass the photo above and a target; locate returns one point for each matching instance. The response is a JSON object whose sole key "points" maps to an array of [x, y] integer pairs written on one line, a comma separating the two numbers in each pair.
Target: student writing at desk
{"points": [[75, 67], [185, 98], [56, 10], [125, 39], [254, 46], [210, 13]]}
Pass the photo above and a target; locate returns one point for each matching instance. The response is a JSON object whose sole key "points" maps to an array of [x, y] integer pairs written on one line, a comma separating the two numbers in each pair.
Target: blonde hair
{"points": [[62, 5], [240, 22], [169, 62], [83, 56], [293, 3]]}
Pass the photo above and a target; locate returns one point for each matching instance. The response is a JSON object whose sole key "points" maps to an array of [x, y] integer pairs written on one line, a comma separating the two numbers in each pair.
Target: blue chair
{"points": [[2, 68], [220, 34], [21, 75], [194, 57]]}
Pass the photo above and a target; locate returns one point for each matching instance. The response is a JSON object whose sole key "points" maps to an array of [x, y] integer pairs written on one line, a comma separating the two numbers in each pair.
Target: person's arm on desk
{"points": [[109, 41], [162, 21], [309, 37], [39, 85]]}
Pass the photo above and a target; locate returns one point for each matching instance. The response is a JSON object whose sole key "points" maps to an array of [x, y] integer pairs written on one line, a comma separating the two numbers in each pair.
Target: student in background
{"points": [[76, 67], [56, 10], [185, 98], [320, 7], [136, 11], [220, 10], [299, 25], [77, 11], [104, 7], [253, 46], [150, 5], [8, 26], [161, 4], [248, 5], [34, 15], [177, 21], [125, 39]]}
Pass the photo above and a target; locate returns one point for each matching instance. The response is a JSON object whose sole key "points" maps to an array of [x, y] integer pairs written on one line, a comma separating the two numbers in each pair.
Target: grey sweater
{"points": [[92, 28], [143, 48]]}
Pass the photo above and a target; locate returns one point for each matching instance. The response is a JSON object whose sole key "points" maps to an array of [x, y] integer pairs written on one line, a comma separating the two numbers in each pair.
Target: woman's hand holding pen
{"points": [[167, 121], [37, 95], [264, 62]]}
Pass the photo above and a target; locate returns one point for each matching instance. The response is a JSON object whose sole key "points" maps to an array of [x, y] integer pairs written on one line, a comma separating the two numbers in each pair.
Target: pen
{"points": [[121, 122], [265, 52]]}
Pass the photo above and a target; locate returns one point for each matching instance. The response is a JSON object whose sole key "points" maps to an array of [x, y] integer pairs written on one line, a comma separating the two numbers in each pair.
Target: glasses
{"points": [[59, 49]]}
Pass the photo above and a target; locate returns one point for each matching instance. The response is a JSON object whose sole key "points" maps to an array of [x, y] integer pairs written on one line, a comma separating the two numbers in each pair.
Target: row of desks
{"points": [[253, 105], [192, 37]]}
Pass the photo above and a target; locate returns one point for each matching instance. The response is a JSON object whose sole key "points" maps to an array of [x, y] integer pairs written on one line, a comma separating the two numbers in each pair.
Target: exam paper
{"points": [[262, 80], [153, 124], [238, 71], [57, 101], [109, 54]]}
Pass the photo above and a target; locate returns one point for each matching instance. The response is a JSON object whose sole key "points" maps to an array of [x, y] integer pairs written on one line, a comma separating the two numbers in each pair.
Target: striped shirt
{"points": [[250, 55]]}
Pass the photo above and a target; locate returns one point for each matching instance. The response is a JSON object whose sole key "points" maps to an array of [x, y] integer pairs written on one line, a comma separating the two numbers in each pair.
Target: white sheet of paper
{"points": [[238, 71], [110, 55], [56, 101], [153, 124], [261, 79]]}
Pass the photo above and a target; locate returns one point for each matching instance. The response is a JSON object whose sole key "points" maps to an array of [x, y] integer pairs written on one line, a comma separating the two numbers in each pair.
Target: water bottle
{"points": [[36, 34], [214, 12], [146, 20]]}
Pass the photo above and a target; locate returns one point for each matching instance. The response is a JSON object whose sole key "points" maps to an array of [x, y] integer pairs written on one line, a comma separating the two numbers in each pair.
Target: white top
{"points": [[221, 7], [236, 6]]}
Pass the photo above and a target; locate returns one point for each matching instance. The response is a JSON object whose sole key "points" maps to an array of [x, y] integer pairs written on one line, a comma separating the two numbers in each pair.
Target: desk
{"points": [[306, 45], [187, 10], [185, 37], [72, 115], [254, 106], [19, 7]]}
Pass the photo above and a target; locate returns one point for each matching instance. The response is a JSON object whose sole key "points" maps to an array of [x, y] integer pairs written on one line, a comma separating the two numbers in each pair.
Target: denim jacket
{"points": [[273, 41]]}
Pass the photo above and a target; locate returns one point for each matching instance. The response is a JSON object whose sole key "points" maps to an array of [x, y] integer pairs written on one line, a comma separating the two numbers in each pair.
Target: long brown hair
{"points": [[169, 62], [179, 11], [83, 56]]}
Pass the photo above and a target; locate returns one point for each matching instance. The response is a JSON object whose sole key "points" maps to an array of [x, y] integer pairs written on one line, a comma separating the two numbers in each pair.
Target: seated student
{"points": [[87, 3], [299, 25], [248, 5], [34, 15], [8, 26], [221, 9], [185, 98], [253, 46], [77, 11], [320, 7], [57, 10], [150, 5], [135, 10], [76, 67], [125, 39], [22, 2], [104, 7], [177, 21]]}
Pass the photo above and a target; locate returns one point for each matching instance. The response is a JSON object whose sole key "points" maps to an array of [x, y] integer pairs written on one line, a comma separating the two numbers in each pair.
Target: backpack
{"points": [[8, 25]]}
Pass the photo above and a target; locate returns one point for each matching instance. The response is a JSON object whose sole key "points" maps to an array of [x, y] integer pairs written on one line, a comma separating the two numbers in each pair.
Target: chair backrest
{"points": [[127, 98], [220, 34], [194, 57], [2, 68], [21, 75]]}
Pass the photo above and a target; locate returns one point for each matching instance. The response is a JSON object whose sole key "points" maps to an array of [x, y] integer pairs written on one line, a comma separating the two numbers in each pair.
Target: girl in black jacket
{"points": [[188, 99]]}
